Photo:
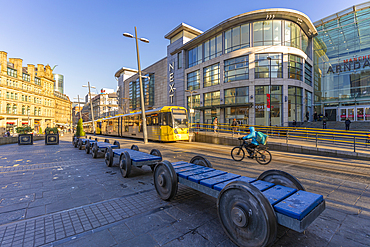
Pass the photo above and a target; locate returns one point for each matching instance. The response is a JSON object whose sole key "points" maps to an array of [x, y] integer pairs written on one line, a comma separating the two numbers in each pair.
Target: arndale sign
{"points": [[349, 64]]}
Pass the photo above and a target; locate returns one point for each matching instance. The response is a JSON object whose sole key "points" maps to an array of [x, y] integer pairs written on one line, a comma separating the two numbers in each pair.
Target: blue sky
{"points": [[84, 38]]}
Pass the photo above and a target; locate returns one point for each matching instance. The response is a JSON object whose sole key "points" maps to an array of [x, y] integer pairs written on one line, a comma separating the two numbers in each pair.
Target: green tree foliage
{"points": [[51, 130], [40, 131], [80, 131]]}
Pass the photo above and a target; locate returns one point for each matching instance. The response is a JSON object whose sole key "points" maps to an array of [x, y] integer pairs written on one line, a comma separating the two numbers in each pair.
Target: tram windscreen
{"points": [[180, 118]]}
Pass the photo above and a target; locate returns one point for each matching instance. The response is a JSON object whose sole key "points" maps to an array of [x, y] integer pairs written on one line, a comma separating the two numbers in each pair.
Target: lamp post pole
{"points": [[145, 133], [79, 106], [91, 106], [191, 106], [269, 58]]}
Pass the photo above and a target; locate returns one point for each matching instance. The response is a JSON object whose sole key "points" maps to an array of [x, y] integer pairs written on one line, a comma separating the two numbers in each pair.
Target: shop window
{"points": [[211, 75], [236, 95], [295, 67]]}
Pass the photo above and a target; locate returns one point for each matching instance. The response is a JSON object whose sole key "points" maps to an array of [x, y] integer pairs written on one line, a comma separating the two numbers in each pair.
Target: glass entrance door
{"points": [[360, 114], [347, 113]]}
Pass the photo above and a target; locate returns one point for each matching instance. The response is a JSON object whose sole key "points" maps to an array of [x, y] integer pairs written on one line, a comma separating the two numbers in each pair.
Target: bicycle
{"points": [[260, 153]]}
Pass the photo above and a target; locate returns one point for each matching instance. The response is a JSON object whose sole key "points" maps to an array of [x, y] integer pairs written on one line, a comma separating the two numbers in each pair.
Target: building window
{"points": [[12, 72], [267, 33], [262, 65], [212, 98], [39, 111], [236, 69], [26, 77], [23, 110], [237, 38], [308, 74], [12, 95], [14, 109], [193, 80], [8, 109], [241, 114], [295, 67], [37, 81], [28, 110], [292, 35], [295, 101], [213, 48], [308, 102], [195, 56], [237, 95], [211, 75], [179, 60], [7, 95], [35, 111], [261, 113], [196, 101], [16, 96]]}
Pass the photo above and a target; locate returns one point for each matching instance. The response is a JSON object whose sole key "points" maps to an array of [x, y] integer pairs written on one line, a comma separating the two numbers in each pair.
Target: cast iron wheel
{"points": [[134, 147], [237, 153], [106, 140], [125, 164], [155, 152], [109, 157], [281, 178], [95, 151], [73, 140], [199, 160], [165, 180], [90, 137], [76, 142], [87, 147], [246, 215], [263, 156], [96, 139], [79, 144], [117, 143]]}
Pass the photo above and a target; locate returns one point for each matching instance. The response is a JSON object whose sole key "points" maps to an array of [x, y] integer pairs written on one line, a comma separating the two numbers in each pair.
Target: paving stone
{"points": [[98, 239]]}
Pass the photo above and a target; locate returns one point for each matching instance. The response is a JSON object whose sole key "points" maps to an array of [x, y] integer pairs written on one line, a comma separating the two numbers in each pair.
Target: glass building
{"points": [[342, 65], [59, 83], [236, 67]]}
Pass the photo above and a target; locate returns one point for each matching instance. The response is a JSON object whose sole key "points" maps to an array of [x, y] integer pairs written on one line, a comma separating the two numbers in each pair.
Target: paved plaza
{"points": [[60, 196]]}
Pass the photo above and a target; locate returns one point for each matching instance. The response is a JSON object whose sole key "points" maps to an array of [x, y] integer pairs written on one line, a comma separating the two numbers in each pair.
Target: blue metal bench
{"points": [[102, 147], [126, 158], [249, 209]]}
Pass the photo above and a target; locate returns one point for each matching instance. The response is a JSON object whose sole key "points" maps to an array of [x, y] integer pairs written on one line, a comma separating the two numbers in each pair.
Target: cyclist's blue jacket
{"points": [[252, 136]]}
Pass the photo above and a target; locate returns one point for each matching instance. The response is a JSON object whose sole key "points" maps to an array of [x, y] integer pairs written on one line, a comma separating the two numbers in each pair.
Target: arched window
{"points": [[8, 108], [14, 109], [12, 95]]}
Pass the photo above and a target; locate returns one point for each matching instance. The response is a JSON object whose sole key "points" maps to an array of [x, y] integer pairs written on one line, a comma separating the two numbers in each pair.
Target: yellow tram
{"points": [[168, 123]]}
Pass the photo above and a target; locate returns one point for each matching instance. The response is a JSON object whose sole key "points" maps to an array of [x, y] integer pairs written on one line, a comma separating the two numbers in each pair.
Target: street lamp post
{"points": [[269, 58], [191, 106], [140, 81], [91, 106], [79, 107]]}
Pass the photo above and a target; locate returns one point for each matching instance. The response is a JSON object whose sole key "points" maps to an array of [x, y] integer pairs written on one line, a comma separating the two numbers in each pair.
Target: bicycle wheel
{"points": [[263, 157], [237, 153]]}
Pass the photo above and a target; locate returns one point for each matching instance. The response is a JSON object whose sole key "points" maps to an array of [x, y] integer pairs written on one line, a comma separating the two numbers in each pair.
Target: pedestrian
{"points": [[347, 122], [215, 122], [324, 123], [235, 126], [315, 116], [294, 123], [8, 133], [308, 116]]}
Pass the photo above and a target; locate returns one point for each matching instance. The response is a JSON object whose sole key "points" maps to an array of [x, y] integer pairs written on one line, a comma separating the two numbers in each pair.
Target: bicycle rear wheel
{"points": [[237, 153], [263, 157]]}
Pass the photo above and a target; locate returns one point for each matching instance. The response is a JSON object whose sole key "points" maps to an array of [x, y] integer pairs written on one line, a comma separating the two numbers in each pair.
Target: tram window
{"points": [[155, 120], [148, 121]]}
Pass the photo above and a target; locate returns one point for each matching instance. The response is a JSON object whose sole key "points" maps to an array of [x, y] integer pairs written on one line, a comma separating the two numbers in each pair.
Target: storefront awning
{"points": [[249, 105]]}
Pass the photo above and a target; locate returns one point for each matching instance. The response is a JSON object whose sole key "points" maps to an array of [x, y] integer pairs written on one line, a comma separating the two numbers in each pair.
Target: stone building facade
{"points": [[26, 95]]}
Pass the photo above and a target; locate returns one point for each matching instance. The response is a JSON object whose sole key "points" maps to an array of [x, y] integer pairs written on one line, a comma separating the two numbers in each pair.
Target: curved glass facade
{"points": [[265, 33], [342, 65]]}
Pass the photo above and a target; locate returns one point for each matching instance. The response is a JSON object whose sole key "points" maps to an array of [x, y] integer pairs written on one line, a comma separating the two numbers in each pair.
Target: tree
{"points": [[80, 131], [40, 131]]}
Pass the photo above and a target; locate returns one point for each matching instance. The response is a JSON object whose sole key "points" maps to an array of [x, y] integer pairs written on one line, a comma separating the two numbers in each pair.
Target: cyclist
{"points": [[253, 144]]}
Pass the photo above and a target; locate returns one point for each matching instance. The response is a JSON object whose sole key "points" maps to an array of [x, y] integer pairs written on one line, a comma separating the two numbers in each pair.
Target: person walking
{"points": [[8, 133], [235, 126], [324, 123], [347, 122], [308, 116], [215, 122], [315, 116]]}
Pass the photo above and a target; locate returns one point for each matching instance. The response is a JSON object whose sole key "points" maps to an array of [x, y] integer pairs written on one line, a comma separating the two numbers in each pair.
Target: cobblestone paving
{"points": [[60, 196]]}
